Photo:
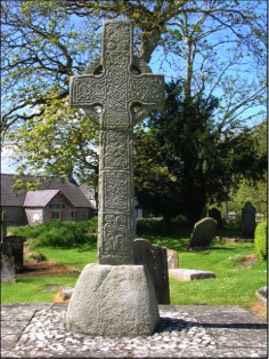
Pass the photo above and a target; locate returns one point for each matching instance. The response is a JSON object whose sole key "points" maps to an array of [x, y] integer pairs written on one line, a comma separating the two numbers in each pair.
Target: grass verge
{"points": [[235, 284]]}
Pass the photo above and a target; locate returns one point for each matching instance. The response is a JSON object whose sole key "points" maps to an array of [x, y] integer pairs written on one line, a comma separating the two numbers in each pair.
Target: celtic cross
{"points": [[116, 91]]}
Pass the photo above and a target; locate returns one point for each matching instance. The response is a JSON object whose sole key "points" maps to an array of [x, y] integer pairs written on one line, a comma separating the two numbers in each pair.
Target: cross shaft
{"points": [[116, 86]]}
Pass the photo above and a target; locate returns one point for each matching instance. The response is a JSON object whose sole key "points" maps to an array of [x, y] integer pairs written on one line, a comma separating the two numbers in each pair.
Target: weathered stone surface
{"points": [[116, 91], [183, 274], [215, 214], [67, 293], [230, 240], [262, 295], [8, 272], [172, 259], [203, 233], [248, 221], [154, 258], [113, 301], [195, 331], [13, 246]]}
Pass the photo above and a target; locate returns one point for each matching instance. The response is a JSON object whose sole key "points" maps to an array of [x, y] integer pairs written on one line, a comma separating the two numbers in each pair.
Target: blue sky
{"points": [[7, 165]]}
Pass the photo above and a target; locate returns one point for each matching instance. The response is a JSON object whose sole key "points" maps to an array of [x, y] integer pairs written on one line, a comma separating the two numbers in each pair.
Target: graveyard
{"points": [[51, 271], [238, 273], [185, 283]]}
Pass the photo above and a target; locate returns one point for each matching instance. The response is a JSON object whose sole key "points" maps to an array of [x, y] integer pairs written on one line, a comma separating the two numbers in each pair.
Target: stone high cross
{"points": [[116, 91]]}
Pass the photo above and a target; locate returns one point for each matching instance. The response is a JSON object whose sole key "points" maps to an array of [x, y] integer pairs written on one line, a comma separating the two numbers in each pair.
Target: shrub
{"points": [[38, 257], [260, 241], [66, 234]]}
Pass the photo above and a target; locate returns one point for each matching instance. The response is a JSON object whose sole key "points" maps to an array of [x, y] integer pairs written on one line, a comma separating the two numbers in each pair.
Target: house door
{"points": [[56, 215]]}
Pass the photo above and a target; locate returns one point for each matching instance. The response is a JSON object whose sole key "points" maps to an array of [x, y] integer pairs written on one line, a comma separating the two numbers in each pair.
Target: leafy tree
{"points": [[183, 132], [197, 163], [157, 188], [253, 189], [44, 42]]}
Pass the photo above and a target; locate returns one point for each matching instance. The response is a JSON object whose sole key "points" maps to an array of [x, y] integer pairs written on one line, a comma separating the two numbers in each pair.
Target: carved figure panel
{"points": [[117, 191], [116, 230], [117, 42], [117, 146]]}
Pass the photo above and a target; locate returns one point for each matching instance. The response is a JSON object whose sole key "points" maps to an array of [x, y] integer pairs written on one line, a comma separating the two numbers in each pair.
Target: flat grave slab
{"points": [[183, 274]]}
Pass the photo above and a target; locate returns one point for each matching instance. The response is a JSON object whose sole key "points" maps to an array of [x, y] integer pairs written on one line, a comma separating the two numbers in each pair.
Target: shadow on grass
{"points": [[176, 236]]}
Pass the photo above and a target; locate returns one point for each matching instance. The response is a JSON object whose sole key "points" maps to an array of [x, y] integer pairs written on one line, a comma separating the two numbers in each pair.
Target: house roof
{"points": [[41, 198], [70, 191]]}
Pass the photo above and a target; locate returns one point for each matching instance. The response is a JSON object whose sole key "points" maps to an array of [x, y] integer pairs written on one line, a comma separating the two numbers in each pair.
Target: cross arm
{"points": [[146, 90], [88, 92]]}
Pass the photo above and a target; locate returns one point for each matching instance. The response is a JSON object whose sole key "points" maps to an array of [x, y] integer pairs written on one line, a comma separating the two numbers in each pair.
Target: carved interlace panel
{"points": [[108, 91]]}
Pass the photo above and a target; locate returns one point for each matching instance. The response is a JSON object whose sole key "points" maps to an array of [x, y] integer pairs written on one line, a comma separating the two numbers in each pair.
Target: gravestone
{"points": [[172, 259], [184, 274], [202, 234], [248, 221], [12, 246], [115, 297], [259, 217], [3, 215], [8, 272], [232, 215], [154, 258], [215, 214]]}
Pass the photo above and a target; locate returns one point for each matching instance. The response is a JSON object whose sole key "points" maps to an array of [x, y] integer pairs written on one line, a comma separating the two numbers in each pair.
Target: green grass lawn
{"points": [[234, 284], [31, 289]]}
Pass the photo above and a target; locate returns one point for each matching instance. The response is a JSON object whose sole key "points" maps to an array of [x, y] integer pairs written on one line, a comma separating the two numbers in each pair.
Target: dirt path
{"points": [[45, 268]]}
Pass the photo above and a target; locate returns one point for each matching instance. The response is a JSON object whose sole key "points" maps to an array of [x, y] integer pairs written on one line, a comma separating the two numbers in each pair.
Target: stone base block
{"points": [[113, 301], [183, 274]]}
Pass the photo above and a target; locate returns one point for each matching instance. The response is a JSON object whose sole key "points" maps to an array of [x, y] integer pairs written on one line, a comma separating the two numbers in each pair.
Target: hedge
{"points": [[260, 241]]}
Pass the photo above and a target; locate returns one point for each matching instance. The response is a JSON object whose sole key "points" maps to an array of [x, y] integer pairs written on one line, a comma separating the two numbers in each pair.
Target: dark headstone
{"points": [[215, 214], [172, 259], [8, 272], [202, 234], [154, 258], [248, 221], [12, 246], [3, 219]]}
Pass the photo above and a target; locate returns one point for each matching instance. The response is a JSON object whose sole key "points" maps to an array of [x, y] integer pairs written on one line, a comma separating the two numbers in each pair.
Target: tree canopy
{"points": [[183, 162], [218, 47]]}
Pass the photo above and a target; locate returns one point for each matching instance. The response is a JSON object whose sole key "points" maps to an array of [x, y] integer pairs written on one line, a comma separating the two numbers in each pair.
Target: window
{"points": [[56, 216], [74, 215]]}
